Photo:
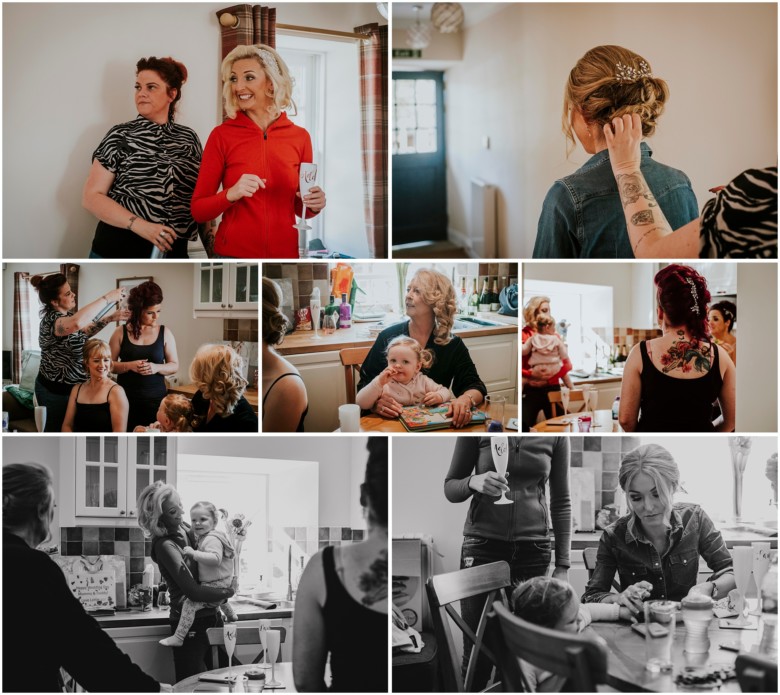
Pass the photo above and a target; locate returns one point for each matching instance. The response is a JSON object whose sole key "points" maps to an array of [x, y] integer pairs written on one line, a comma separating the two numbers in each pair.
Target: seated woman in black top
{"points": [[51, 630], [342, 601], [144, 353], [98, 405], [431, 306], [219, 403], [670, 383], [285, 402]]}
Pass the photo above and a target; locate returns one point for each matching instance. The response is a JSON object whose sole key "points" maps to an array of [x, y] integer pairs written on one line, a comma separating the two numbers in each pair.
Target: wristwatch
{"points": [[714, 594]]}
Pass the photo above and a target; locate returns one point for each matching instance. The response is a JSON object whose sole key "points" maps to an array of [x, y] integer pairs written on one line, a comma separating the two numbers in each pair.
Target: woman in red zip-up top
{"points": [[254, 156]]}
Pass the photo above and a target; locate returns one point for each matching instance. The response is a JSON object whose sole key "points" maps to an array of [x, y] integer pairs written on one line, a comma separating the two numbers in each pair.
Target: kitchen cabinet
{"points": [[492, 354], [228, 290], [142, 645], [323, 375], [103, 476]]}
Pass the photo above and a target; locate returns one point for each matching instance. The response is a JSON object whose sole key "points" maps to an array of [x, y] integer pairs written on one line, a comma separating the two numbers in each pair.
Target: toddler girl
{"points": [[175, 414], [546, 351], [402, 379], [552, 603], [214, 556]]}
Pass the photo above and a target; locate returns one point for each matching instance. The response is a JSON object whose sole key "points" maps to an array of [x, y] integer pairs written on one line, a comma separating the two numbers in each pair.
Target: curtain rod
{"points": [[226, 19]]}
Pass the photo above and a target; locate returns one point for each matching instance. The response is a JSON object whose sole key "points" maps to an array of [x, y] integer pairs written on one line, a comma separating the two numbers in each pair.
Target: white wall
{"points": [[720, 61], [68, 75], [97, 278], [340, 458]]}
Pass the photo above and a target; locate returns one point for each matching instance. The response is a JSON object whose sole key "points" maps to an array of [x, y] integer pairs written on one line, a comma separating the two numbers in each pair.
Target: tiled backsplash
{"points": [[240, 329], [303, 277], [131, 544], [631, 336], [602, 455]]}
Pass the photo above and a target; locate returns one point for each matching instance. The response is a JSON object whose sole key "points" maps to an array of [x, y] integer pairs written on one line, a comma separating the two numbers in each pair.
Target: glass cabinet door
{"points": [[149, 459], [101, 477], [244, 292], [211, 286]]}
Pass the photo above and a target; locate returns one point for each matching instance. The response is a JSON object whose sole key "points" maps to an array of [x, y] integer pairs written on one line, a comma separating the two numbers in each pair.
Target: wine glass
{"points": [[330, 322], [762, 558], [264, 625], [315, 307], [565, 399], [499, 447], [273, 640], [742, 556], [229, 633], [307, 179]]}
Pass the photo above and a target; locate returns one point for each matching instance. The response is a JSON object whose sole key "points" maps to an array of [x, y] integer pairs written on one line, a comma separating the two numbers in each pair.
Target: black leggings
{"points": [[535, 399], [194, 656]]}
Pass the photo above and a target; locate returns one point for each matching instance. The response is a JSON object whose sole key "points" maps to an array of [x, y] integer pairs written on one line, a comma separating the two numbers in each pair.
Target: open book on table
{"points": [[423, 419]]}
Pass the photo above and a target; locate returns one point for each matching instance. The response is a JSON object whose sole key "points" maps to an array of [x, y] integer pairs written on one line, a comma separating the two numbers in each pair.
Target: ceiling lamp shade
{"points": [[447, 17], [418, 36]]}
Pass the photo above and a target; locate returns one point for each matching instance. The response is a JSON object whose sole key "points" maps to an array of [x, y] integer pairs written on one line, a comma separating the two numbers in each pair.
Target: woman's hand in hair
{"points": [[623, 136], [490, 483]]}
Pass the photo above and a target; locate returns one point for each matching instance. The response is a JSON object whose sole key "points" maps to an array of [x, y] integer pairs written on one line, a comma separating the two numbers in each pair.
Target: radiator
{"points": [[483, 234]]}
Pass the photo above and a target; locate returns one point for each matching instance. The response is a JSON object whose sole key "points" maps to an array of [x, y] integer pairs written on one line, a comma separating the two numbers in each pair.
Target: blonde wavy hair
{"points": [[656, 462], [278, 74], [594, 90], [532, 307], [439, 294], [217, 371], [178, 408], [424, 356], [95, 345], [149, 508]]}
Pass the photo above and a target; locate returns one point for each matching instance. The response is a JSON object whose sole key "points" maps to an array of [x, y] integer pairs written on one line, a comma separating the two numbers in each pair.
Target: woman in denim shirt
{"points": [[582, 215], [655, 549]]}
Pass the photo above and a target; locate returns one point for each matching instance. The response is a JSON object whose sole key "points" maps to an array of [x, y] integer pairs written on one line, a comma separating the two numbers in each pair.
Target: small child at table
{"points": [[552, 603], [403, 379], [546, 352], [175, 414], [215, 557]]}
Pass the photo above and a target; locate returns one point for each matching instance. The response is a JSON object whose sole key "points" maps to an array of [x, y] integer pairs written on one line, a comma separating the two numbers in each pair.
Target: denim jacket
{"points": [[582, 216], [625, 549]]}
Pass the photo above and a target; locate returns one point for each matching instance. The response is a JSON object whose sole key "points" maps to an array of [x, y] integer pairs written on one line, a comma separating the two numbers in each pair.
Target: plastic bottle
{"points": [[616, 408], [768, 644], [345, 312]]}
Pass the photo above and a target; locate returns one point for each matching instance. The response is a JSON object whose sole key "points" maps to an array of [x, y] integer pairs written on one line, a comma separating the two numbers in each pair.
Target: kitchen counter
{"points": [[158, 616], [595, 379], [302, 342]]}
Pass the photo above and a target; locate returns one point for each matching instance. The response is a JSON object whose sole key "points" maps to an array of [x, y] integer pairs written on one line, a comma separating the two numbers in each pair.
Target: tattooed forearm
{"points": [[632, 187], [642, 218], [207, 235], [94, 327], [373, 582]]}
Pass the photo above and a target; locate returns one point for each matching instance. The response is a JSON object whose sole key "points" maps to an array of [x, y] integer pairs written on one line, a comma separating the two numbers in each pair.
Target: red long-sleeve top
{"points": [[527, 332], [260, 226]]}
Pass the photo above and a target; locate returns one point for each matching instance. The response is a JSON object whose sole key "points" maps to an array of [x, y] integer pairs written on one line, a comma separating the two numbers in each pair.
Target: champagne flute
{"points": [[565, 399], [315, 307], [499, 448], [273, 639], [264, 625], [742, 556], [229, 633], [586, 397], [762, 558], [307, 179]]}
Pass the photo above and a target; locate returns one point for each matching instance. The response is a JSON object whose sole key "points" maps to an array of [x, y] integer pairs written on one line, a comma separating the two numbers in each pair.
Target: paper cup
{"points": [[349, 417]]}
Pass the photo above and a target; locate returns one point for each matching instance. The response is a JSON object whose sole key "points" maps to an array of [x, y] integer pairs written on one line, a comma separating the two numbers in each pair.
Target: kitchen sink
{"points": [[473, 322]]}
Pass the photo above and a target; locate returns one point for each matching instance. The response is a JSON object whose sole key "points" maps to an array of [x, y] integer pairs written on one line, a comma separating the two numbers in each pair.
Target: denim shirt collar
{"points": [[635, 534], [603, 156]]}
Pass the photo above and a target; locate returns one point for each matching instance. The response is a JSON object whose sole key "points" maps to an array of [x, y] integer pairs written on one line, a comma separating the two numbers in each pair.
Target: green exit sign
{"points": [[407, 53]]}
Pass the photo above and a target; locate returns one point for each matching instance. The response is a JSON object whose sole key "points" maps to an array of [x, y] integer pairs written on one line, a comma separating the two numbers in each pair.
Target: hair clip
{"points": [[626, 74], [695, 295], [269, 60]]}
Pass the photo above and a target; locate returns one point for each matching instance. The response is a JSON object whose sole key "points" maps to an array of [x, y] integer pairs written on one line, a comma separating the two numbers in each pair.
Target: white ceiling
{"points": [[474, 12]]}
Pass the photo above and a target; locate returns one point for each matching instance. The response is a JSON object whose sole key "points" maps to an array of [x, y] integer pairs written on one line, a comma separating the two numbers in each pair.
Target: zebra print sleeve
{"points": [[741, 221]]}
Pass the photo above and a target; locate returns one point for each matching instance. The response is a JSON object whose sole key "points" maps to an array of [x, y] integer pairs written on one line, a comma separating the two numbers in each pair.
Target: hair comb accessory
{"points": [[626, 74], [695, 295], [268, 60]]}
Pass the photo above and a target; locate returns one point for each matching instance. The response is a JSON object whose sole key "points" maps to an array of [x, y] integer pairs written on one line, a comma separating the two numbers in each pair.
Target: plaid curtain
{"points": [[256, 24], [25, 301], [373, 96], [71, 273]]}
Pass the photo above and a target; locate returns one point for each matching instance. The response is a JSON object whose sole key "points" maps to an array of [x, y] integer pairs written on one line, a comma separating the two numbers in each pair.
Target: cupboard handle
{"points": [[222, 305], [131, 513], [122, 512], [230, 306]]}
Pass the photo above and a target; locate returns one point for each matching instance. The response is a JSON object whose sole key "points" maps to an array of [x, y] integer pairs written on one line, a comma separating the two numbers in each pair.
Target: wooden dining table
{"points": [[566, 423], [626, 659], [374, 423], [283, 673]]}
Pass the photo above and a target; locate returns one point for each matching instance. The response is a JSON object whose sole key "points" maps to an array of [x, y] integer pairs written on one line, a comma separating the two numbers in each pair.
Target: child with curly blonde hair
{"points": [[175, 414], [403, 379]]}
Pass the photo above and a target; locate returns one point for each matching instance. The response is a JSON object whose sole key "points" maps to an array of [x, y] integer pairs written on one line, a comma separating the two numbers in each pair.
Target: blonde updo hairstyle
{"points": [[424, 356], [532, 308], [275, 70], [275, 323], [149, 508], [596, 91], [217, 371], [657, 463], [439, 294]]}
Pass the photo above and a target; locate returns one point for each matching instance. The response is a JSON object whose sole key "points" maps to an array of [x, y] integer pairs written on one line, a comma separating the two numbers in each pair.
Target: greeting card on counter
{"points": [[423, 419]]}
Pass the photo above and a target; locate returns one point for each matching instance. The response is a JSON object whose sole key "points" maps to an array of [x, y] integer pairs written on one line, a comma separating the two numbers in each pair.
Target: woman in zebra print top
{"points": [[62, 335], [740, 222], [144, 172]]}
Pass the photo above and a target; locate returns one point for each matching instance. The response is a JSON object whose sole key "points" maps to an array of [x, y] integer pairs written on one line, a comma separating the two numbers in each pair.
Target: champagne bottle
{"points": [[463, 303], [473, 299], [484, 297], [495, 304]]}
